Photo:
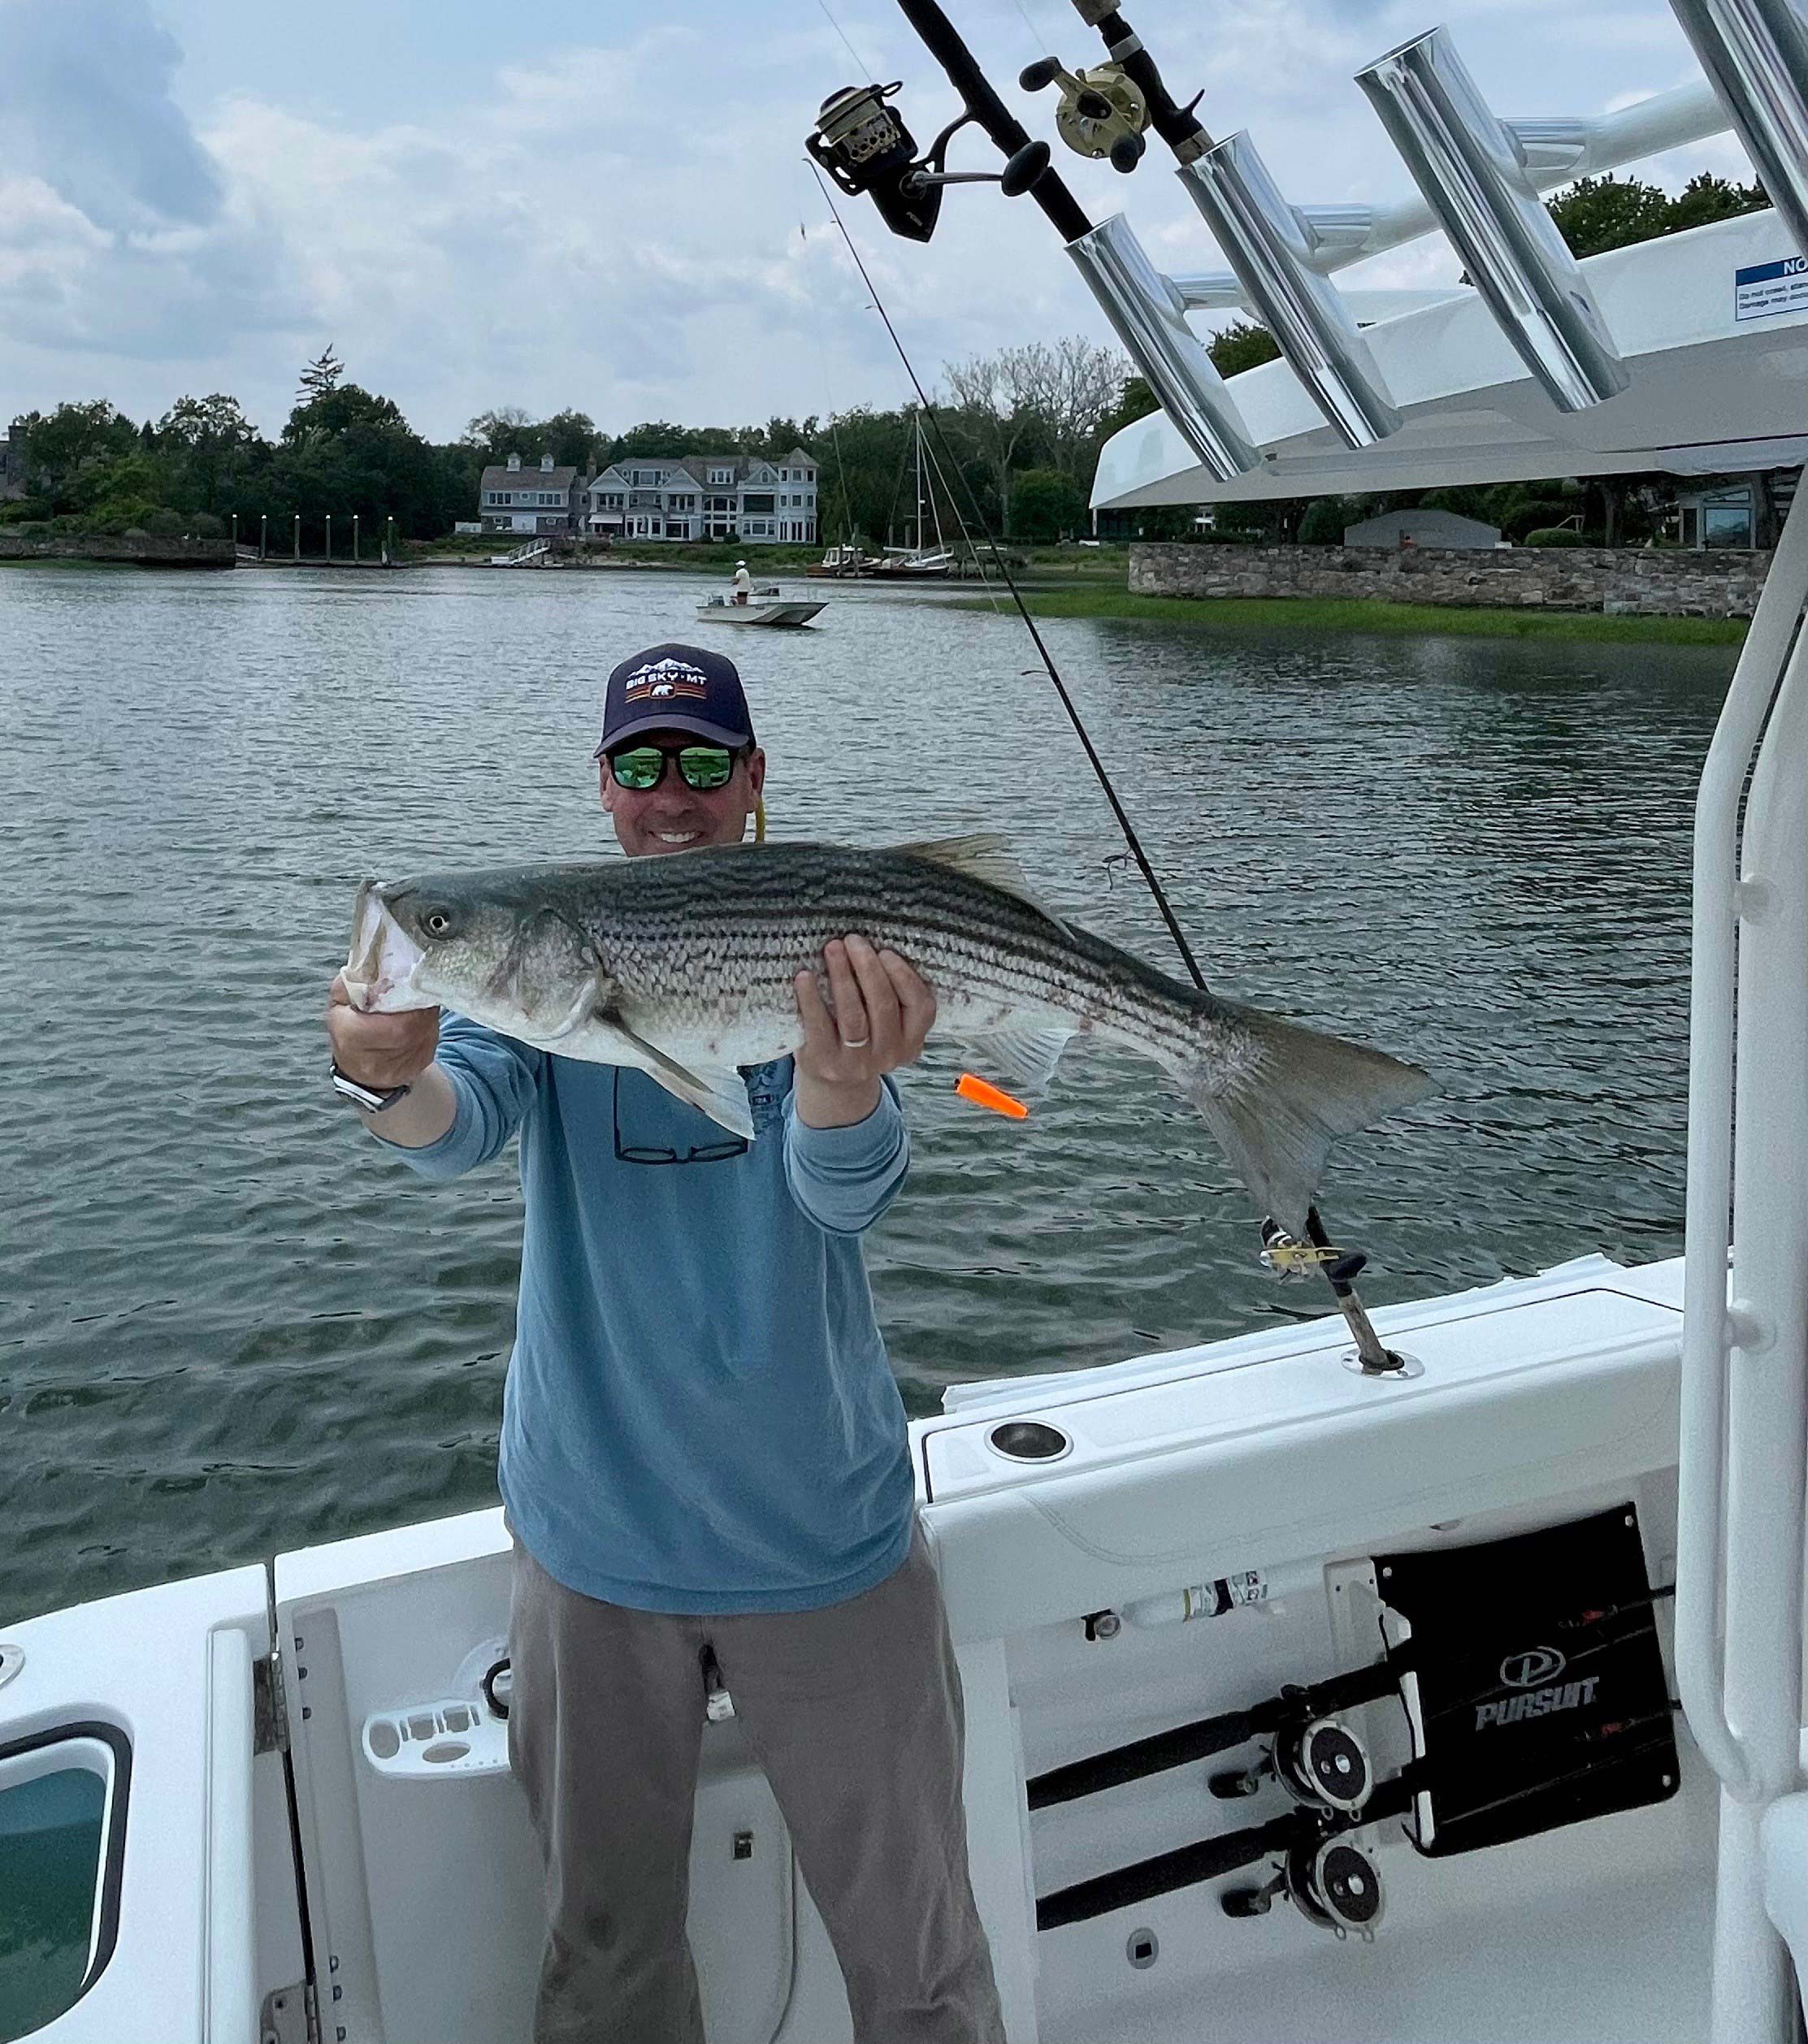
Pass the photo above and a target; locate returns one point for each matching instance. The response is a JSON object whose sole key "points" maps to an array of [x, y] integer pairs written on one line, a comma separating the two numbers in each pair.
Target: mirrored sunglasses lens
{"points": [[706, 766], [639, 770]]}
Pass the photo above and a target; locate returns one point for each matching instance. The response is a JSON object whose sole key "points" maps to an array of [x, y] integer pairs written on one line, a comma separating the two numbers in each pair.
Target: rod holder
{"points": [[1755, 54], [1147, 315], [1471, 172], [1272, 249]]}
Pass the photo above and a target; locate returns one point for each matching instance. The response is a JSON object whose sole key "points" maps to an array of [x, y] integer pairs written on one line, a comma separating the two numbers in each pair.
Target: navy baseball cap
{"points": [[674, 688]]}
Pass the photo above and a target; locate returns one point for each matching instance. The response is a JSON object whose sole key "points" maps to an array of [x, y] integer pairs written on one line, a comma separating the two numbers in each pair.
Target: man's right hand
{"points": [[380, 1050]]}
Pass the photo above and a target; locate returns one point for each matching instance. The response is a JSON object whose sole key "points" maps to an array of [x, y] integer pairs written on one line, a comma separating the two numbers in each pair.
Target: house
{"points": [[547, 499], [12, 462], [1421, 528], [706, 496], [1735, 513]]}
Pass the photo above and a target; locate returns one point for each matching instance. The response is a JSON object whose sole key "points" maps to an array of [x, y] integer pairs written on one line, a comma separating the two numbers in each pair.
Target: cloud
{"points": [[85, 106], [627, 225]]}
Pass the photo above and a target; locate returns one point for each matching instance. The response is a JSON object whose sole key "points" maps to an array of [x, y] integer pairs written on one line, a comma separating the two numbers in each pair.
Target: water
{"points": [[228, 1325]]}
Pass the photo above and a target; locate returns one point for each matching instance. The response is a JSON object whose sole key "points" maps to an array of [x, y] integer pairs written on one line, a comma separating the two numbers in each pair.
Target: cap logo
{"points": [[662, 679]]}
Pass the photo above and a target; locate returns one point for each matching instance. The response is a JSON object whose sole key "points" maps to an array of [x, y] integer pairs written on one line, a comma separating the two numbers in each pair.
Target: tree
{"points": [[205, 442], [1240, 345], [1069, 389], [69, 447], [991, 393], [320, 376], [1047, 505]]}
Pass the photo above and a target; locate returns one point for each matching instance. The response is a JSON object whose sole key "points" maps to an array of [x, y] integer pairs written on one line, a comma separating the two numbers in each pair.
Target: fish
{"points": [[684, 967]]}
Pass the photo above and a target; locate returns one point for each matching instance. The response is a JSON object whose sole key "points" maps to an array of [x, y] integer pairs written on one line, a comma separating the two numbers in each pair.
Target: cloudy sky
{"points": [[581, 203]]}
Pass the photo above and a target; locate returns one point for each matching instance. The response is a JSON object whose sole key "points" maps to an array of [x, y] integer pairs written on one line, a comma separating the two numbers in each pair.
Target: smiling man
{"points": [[704, 1455]]}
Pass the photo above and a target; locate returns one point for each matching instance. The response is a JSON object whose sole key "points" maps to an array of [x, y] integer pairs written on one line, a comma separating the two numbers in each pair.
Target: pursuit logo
{"points": [[1530, 1675]]}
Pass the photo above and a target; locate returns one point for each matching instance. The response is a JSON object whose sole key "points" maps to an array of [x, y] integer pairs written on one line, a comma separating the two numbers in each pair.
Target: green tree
{"points": [[204, 444], [67, 448], [320, 376], [1047, 505], [1240, 345]]}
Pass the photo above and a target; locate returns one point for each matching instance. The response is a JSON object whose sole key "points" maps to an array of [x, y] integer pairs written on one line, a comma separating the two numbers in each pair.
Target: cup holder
{"points": [[1028, 1440]]}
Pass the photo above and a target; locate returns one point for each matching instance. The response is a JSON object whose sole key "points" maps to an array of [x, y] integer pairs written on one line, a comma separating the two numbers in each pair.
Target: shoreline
{"points": [[1309, 613]]}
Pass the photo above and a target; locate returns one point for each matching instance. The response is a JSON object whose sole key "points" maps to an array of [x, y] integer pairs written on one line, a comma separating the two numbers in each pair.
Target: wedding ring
{"points": [[855, 1042]]}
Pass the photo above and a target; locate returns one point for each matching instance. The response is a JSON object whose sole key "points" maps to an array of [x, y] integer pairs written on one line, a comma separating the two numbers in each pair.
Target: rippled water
{"points": [[229, 1325]]}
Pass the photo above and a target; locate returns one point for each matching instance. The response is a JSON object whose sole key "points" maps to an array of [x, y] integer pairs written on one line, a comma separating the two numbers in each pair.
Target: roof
{"points": [[498, 476], [695, 467]]}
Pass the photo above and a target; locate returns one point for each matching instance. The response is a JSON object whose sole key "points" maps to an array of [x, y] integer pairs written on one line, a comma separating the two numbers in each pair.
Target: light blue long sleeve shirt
{"points": [[699, 1416]]}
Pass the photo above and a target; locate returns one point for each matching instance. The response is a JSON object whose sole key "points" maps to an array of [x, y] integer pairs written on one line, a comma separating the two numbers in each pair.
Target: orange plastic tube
{"points": [[983, 1095]]}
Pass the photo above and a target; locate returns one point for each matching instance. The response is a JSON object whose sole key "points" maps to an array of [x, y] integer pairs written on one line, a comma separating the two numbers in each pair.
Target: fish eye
{"points": [[435, 922]]}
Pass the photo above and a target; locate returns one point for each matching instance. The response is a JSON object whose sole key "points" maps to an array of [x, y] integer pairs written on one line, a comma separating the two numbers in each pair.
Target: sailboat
{"points": [[1308, 1697], [919, 563]]}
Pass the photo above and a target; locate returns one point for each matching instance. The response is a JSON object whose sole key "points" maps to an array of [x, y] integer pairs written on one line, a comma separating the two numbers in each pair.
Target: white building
{"points": [[706, 496]]}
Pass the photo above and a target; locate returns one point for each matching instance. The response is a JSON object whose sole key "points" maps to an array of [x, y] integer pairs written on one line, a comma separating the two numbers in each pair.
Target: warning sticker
{"points": [[1771, 287]]}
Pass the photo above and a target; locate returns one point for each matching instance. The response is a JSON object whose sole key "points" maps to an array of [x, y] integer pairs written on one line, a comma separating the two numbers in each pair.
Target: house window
{"points": [[1728, 524], [765, 503], [722, 476]]}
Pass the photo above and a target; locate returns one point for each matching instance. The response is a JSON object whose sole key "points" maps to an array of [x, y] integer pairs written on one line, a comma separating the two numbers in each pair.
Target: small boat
{"points": [[719, 610], [844, 561]]}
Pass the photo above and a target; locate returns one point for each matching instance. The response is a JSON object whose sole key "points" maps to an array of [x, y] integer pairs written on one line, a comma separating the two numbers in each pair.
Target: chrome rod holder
{"points": [[1147, 315], [1272, 249], [1755, 53], [1472, 173]]}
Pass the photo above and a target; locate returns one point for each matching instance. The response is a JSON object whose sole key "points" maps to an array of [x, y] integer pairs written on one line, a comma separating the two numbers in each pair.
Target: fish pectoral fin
{"points": [[983, 855], [718, 1090], [1025, 1053]]}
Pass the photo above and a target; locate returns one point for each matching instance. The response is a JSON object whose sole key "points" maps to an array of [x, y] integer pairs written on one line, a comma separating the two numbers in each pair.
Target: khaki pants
{"points": [[854, 1712]]}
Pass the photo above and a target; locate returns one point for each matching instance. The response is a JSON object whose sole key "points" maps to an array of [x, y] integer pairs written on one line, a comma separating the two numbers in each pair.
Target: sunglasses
{"points": [[701, 767], [709, 1152]]}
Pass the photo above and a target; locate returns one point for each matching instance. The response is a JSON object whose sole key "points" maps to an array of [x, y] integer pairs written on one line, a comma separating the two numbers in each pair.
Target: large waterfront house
{"points": [[543, 499], [705, 496]]}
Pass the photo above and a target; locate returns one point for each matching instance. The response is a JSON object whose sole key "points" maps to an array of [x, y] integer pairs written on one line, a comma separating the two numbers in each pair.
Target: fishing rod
{"points": [[861, 142]]}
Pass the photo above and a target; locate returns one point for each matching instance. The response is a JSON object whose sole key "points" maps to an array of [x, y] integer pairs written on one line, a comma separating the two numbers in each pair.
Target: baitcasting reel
{"points": [[1319, 1759], [864, 145], [1102, 113], [1331, 1882]]}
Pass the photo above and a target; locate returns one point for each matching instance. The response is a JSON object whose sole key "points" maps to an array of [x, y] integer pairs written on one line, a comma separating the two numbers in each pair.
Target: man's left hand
{"points": [[876, 1018]]}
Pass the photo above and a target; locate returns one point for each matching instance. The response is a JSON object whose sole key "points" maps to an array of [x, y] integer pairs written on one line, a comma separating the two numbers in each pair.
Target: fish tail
{"points": [[1283, 1095]]}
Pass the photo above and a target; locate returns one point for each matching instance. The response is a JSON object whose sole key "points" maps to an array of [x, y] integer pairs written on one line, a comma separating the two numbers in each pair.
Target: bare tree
{"points": [[1069, 389], [991, 393]]}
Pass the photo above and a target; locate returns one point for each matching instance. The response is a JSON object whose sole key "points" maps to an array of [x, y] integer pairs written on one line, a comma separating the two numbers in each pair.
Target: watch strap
{"points": [[372, 1099]]}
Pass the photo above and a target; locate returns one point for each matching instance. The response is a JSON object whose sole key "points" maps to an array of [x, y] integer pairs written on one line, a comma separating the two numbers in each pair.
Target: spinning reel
{"points": [[861, 141], [1103, 111]]}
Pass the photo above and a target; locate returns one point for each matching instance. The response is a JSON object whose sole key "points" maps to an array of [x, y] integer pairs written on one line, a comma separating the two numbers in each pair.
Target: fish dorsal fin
{"points": [[985, 856]]}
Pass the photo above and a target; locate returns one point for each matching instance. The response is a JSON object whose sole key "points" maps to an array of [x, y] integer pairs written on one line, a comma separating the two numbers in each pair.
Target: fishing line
{"points": [[865, 69], [1098, 765]]}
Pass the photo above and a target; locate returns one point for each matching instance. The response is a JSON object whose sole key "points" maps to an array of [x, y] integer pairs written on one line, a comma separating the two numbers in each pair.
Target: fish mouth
{"points": [[378, 974]]}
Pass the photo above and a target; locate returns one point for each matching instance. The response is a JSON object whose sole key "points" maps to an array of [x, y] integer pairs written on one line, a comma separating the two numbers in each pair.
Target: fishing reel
{"points": [[861, 141], [1103, 112], [1319, 1759], [1333, 1884], [1288, 1256]]}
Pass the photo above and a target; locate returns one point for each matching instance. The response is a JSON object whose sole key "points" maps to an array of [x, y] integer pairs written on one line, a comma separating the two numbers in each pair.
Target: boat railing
{"points": [[1744, 1422]]}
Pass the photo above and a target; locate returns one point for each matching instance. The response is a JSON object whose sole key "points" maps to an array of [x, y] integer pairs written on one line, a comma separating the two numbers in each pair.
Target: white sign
{"points": [[1770, 287]]}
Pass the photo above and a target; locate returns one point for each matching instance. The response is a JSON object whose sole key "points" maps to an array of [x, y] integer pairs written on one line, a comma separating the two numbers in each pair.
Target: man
{"points": [[743, 583], [704, 1457]]}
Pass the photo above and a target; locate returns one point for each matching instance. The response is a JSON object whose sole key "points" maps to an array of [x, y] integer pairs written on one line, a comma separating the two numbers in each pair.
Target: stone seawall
{"points": [[144, 549], [1621, 581]]}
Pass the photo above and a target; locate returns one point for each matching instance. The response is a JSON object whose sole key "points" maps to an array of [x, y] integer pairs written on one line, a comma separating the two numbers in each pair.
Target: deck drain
{"points": [[1142, 1948], [1028, 1440]]}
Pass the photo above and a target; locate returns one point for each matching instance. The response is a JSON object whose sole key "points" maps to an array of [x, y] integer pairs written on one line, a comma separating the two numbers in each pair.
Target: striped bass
{"points": [[684, 967]]}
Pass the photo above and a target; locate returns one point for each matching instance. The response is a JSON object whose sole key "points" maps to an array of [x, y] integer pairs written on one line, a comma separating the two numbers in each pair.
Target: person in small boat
{"points": [[704, 1457], [743, 583]]}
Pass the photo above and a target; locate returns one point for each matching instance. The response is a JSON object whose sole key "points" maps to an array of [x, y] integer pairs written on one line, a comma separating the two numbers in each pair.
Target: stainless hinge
{"points": [[290, 2015], [269, 1712]]}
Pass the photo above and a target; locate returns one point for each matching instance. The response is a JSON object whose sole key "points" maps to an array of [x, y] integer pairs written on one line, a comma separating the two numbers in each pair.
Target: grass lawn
{"points": [[1310, 613]]}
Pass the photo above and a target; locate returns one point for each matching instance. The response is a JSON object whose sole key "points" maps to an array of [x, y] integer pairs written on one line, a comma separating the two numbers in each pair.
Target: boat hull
{"points": [[782, 614]]}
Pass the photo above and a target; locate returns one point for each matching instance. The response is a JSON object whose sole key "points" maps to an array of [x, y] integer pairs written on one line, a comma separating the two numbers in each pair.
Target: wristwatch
{"points": [[372, 1099]]}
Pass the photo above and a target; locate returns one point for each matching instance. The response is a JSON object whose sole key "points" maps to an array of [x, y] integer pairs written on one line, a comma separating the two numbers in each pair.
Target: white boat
{"points": [[1335, 1598], [724, 610]]}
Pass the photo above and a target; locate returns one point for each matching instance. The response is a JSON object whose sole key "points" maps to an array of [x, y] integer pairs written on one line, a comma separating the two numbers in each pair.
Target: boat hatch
{"points": [[422, 1879], [128, 1750]]}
